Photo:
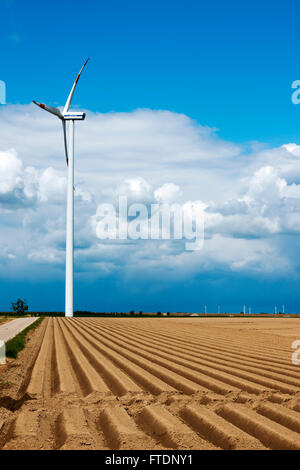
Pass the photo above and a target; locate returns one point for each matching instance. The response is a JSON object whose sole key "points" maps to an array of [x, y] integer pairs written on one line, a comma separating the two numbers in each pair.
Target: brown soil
{"points": [[106, 383]]}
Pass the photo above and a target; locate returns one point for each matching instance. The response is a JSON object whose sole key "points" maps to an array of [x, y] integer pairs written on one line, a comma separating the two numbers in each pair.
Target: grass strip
{"points": [[16, 344]]}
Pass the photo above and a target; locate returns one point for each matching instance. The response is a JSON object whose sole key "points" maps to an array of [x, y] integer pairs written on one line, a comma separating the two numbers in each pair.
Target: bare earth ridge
{"points": [[104, 383]]}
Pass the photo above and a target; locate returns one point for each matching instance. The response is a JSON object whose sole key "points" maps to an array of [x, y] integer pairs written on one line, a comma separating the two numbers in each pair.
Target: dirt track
{"points": [[11, 328], [154, 384]]}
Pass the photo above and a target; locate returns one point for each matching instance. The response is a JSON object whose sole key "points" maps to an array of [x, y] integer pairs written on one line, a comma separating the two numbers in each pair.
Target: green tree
{"points": [[19, 307]]}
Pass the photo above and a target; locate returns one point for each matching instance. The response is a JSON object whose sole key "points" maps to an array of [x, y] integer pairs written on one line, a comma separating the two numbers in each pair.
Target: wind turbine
{"points": [[64, 116]]}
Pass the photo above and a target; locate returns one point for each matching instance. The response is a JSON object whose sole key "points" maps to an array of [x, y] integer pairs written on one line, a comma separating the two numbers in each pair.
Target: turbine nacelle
{"points": [[73, 116]]}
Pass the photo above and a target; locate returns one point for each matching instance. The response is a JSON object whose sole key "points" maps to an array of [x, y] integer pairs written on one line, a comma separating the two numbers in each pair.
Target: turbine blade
{"points": [[51, 110], [69, 100], [65, 141], [66, 144]]}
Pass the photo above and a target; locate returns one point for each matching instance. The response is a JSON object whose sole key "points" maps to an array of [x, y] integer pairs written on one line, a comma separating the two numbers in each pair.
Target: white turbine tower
{"points": [[64, 116]]}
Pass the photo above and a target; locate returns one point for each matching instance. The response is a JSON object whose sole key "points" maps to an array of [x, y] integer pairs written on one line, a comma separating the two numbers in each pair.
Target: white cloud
{"points": [[52, 186], [167, 193], [251, 202], [10, 171], [136, 190]]}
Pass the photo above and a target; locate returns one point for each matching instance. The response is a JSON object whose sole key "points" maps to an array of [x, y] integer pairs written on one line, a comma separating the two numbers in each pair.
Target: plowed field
{"points": [[100, 383]]}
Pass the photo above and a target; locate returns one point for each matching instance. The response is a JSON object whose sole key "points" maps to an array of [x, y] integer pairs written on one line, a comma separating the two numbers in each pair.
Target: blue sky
{"points": [[227, 67]]}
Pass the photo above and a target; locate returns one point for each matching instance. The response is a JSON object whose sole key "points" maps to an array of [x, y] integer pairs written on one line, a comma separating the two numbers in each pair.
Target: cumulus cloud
{"points": [[167, 193], [10, 170], [250, 202], [52, 186], [135, 190], [23, 185]]}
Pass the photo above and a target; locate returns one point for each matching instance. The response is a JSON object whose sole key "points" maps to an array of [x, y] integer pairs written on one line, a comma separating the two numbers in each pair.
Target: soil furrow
{"points": [[121, 431], [217, 381], [170, 430], [269, 432], [218, 430], [130, 384], [234, 360], [236, 371], [40, 381], [148, 381], [178, 380]]}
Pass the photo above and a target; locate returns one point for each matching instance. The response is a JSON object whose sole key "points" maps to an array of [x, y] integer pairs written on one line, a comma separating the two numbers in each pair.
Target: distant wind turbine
{"points": [[64, 116]]}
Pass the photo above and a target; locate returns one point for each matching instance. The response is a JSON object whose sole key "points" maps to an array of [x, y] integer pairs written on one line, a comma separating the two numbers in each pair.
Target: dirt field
{"points": [[153, 384]]}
